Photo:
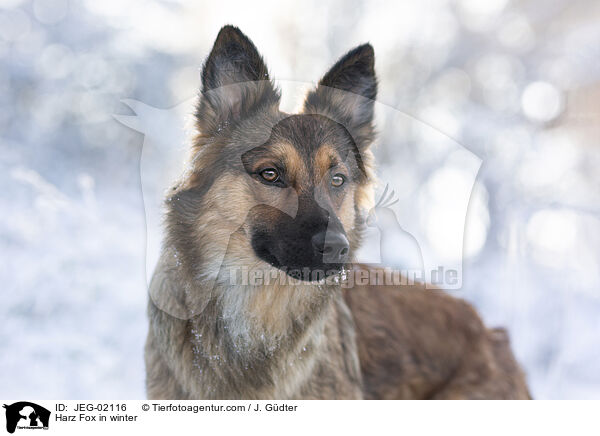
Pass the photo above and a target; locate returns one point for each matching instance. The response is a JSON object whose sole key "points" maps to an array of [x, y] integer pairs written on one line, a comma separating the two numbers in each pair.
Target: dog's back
{"points": [[420, 343]]}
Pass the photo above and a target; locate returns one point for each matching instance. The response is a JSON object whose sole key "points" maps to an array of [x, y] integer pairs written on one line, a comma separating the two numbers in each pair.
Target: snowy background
{"points": [[517, 83]]}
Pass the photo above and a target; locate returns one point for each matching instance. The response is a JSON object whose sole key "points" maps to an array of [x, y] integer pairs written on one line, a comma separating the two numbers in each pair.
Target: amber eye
{"points": [[270, 175], [338, 180]]}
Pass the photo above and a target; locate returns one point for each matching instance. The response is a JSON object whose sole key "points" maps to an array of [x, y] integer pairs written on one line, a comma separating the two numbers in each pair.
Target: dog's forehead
{"points": [[317, 140], [309, 132], [306, 146]]}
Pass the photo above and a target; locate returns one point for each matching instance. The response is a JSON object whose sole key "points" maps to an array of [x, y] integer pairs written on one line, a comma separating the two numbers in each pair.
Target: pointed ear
{"points": [[347, 94], [235, 82]]}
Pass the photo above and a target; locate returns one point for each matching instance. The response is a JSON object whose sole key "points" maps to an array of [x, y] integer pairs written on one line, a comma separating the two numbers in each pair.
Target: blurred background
{"points": [[515, 82]]}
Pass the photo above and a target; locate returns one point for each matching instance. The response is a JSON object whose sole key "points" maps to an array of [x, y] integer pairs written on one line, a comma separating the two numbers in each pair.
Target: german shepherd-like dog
{"points": [[287, 194]]}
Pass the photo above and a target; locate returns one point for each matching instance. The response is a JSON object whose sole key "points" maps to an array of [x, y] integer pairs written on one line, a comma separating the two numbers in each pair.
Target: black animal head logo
{"points": [[24, 414]]}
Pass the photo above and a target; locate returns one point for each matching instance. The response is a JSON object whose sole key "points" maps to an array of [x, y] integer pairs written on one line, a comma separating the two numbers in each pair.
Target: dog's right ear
{"points": [[235, 82]]}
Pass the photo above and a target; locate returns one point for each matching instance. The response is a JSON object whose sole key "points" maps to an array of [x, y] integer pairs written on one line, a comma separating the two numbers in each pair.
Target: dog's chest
{"points": [[320, 361]]}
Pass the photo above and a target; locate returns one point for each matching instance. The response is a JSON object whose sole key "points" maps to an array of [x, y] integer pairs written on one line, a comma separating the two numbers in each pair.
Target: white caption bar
{"points": [[308, 418]]}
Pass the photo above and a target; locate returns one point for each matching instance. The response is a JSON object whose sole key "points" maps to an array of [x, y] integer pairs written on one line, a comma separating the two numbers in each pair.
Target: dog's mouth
{"points": [[317, 275], [300, 260]]}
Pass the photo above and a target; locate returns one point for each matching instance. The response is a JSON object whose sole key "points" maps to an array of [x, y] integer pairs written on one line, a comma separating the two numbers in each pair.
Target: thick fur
{"points": [[211, 337]]}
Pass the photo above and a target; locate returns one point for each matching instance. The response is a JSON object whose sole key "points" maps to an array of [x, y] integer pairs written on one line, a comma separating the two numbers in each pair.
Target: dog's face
{"points": [[269, 187], [305, 176]]}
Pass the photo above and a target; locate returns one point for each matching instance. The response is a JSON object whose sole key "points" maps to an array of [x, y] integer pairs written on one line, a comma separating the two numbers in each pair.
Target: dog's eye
{"points": [[270, 175], [338, 180]]}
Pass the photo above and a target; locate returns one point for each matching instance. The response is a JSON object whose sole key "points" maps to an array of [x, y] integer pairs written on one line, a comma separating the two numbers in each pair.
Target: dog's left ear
{"points": [[235, 82], [347, 94]]}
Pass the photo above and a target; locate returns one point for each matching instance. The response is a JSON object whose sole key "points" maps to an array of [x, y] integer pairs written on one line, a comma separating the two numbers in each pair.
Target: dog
{"points": [[286, 195]]}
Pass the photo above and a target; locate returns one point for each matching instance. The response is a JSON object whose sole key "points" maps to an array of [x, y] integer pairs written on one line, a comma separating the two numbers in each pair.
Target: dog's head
{"points": [[269, 187]]}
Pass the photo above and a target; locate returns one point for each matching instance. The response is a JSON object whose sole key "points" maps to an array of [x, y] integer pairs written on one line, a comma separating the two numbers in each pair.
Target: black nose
{"points": [[333, 246]]}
